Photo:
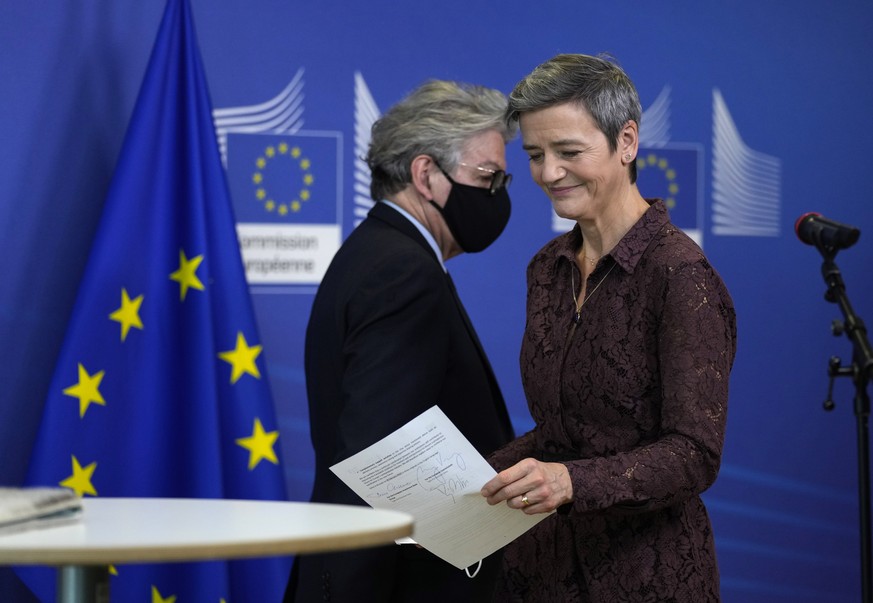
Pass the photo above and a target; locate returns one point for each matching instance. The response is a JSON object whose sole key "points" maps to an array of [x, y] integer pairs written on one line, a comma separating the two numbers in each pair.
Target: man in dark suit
{"points": [[388, 337]]}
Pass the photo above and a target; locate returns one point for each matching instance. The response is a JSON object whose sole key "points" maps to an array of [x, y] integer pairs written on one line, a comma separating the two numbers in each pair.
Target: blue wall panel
{"points": [[786, 86]]}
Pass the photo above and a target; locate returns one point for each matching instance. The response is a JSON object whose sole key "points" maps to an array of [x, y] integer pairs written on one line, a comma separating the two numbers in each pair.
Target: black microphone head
{"points": [[799, 228], [814, 229]]}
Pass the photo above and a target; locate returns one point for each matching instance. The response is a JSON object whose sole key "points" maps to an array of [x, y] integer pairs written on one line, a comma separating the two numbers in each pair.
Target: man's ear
{"points": [[421, 170]]}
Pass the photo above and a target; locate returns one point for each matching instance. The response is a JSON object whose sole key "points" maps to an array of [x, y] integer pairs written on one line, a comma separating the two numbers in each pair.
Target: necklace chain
{"points": [[578, 316]]}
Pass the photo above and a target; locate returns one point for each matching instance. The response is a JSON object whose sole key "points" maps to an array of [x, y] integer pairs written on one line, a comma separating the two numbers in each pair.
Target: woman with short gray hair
{"points": [[627, 350]]}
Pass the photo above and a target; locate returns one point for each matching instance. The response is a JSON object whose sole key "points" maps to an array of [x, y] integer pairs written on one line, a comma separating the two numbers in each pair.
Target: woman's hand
{"points": [[532, 486]]}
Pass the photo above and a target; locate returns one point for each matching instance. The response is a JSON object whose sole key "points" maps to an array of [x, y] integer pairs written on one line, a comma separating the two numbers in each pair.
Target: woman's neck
{"points": [[603, 233]]}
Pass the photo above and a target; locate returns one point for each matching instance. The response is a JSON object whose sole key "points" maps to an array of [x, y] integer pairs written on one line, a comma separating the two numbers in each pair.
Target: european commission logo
{"points": [[284, 179], [286, 186], [286, 191]]}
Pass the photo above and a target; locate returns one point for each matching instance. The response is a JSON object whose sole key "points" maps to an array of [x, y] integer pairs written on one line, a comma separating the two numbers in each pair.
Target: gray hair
{"points": [[597, 84], [436, 119]]}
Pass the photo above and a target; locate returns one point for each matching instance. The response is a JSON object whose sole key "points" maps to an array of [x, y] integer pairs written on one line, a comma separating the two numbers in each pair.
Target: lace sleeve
{"points": [[696, 343]]}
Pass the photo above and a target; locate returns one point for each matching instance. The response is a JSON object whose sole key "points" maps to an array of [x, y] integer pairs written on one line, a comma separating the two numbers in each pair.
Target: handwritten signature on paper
{"points": [[394, 492], [442, 475]]}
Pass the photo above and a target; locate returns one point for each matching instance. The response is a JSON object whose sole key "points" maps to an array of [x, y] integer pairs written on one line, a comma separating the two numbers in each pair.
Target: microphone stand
{"points": [[861, 372]]}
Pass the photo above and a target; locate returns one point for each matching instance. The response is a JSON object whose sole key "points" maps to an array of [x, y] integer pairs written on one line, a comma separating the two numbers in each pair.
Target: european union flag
{"points": [[160, 389]]}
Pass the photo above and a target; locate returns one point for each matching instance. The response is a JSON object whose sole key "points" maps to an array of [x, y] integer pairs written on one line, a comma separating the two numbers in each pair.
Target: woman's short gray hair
{"points": [[596, 83], [436, 119]]}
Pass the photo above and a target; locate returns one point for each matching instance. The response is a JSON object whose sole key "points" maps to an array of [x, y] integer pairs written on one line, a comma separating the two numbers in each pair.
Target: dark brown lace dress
{"points": [[633, 401]]}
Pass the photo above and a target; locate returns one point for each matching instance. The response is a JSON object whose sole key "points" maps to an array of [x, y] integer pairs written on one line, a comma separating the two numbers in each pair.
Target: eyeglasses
{"points": [[499, 178]]}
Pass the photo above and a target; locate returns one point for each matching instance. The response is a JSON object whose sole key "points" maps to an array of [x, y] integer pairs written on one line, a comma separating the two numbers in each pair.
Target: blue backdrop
{"points": [[754, 113]]}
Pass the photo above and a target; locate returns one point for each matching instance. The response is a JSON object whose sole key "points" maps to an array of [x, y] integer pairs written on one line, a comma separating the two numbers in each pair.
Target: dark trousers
{"points": [[392, 574]]}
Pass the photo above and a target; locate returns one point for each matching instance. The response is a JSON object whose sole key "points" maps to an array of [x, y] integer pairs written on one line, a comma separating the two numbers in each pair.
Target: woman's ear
{"points": [[629, 141]]}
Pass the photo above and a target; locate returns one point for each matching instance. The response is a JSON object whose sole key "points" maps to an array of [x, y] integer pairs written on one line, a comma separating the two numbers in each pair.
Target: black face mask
{"points": [[474, 216]]}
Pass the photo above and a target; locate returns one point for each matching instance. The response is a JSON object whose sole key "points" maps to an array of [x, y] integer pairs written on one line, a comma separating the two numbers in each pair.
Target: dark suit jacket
{"points": [[387, 339]]}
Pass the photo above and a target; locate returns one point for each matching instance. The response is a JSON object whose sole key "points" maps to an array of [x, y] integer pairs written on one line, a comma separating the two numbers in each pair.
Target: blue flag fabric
{"points": [[160, 389]]}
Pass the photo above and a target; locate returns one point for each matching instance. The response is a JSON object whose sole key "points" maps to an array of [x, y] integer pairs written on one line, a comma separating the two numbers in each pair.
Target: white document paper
{"points": [[428, 469]]}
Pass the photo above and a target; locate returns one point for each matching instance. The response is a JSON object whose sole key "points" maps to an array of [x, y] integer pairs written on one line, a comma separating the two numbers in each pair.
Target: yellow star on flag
{"points": [[80, 481], [242, 359], [86, 390], [260, 445], [128, 313], [186, 275], [157, 598]]}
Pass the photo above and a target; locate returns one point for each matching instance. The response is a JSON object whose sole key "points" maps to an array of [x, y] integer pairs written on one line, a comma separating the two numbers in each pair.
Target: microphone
{"points": [[814, 229]]}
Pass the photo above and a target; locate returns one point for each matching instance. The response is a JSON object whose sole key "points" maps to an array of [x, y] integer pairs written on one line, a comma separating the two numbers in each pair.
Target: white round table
{"points": [[137, 530]]}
